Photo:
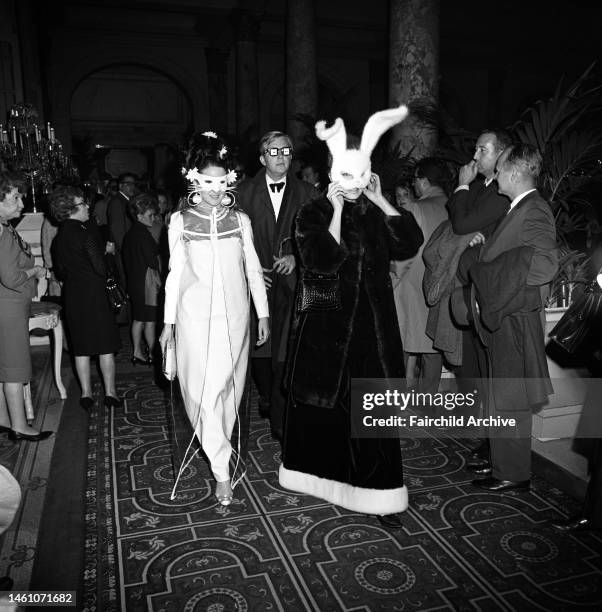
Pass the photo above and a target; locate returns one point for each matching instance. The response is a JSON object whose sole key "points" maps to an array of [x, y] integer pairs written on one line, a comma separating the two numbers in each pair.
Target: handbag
{"points": [[169, 362], [115, 294], [318, 292], [572, 328]]}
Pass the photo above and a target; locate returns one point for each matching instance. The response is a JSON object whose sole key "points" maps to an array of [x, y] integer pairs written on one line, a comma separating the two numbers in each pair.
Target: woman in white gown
{"points": [[213, 269]]}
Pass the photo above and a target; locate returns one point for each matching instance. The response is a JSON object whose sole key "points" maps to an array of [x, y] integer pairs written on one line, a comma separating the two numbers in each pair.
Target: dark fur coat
{"points": [[320, 340]]}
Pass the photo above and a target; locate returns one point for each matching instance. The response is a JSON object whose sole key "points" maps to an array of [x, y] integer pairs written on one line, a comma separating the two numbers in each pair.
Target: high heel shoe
{"points": [[86, 402], [112, 402], [15, 436], [224, 499], [137, 361]]}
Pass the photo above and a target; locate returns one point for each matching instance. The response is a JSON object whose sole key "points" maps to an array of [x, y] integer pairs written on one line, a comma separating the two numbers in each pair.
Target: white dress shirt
{"points": [[276, 196]]}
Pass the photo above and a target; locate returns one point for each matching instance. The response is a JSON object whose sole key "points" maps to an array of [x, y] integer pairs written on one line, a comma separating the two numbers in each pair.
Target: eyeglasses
{"points": [[128, 183], [273, 152]]}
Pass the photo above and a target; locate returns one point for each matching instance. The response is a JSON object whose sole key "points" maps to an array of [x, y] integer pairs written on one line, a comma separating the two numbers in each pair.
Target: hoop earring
{"points": [[194, 198], [229, 199]]}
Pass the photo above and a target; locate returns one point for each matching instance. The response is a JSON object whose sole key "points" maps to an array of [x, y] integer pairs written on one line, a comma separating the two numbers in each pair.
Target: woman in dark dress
{"points": [[140, 254], [77, 253]]}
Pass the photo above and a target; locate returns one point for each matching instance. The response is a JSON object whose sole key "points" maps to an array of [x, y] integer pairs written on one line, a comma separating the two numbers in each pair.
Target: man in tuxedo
{"points": [[271, 199], [510, 283], [476, 206]]}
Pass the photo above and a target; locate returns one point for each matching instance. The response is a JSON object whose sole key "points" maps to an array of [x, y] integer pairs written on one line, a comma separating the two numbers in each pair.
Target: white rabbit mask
{"points": [[351, 168]]}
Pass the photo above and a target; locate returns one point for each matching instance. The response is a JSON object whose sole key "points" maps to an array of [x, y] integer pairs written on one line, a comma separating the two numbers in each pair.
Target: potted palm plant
{"points": [[561, 128]]}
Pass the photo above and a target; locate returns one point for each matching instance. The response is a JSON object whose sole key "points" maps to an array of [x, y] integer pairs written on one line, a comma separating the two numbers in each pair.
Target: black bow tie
{"points": [[276, 187]]}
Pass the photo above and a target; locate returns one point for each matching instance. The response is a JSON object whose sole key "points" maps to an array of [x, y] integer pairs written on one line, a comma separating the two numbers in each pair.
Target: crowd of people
{"points": [[305, 282]]}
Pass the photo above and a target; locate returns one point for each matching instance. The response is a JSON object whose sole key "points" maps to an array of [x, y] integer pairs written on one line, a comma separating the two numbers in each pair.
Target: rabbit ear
{"points": [[378, 124], [335, 136]]}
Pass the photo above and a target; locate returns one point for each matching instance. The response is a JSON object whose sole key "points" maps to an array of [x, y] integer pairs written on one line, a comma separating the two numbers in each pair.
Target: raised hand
{"points": [[468, 173], [335, 195]]}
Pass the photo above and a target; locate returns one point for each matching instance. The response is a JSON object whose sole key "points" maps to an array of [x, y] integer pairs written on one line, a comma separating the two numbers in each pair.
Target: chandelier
{"points": [[34, 151]]}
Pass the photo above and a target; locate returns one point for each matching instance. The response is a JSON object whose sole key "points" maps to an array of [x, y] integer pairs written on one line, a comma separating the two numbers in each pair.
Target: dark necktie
{"points": [[276, 187]]}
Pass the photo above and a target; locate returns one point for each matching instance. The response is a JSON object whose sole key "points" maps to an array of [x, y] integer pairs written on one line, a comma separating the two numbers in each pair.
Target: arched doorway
{"points": [[124, 117]]}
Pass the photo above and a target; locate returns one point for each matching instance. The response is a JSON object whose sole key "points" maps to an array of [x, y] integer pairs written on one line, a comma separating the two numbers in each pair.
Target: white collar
{"points": [[489, 180], [518, 198], [123, 194], [270, 181]]}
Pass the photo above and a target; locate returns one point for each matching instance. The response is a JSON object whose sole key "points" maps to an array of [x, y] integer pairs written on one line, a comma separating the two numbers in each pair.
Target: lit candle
{"points": [[14, 135], [38, 134], [51, 134], [48, 130], [4, 136]]}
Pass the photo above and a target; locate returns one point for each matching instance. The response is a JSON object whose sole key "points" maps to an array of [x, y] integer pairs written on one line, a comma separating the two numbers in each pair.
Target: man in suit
{"points": [[119, 222], [271, 199], [117, 216], [510, 285], [476, 206], [311, 174]]}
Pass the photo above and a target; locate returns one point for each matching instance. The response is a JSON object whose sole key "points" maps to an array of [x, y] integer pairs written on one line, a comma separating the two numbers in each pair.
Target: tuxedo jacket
{"points": [[273, 237]]}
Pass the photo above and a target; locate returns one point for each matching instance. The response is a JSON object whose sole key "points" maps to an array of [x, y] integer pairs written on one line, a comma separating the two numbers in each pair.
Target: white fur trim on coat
{"points": [[357, 499]]}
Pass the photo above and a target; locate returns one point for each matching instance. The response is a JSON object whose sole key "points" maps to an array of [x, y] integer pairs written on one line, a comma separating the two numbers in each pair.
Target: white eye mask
{"points": [[206, 182], [351, 168]]}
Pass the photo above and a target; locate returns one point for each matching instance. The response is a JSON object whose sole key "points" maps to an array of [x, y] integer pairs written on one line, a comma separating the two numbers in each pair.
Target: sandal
{"points": [[224, 498]]}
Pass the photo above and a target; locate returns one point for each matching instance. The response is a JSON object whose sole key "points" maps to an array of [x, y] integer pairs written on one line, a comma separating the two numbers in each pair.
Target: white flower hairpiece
{"points": [[184, 171], [193, 175], [223, 152], [231, 177], [210, 134]]}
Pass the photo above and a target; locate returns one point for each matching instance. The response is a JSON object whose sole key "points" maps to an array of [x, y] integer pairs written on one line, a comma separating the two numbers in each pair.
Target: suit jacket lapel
{"points": [[263, 196], [505, 221], [286, 198]]}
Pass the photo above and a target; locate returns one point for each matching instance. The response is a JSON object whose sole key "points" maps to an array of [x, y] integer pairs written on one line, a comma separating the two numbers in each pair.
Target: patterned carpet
{"points": [[460, 549]]}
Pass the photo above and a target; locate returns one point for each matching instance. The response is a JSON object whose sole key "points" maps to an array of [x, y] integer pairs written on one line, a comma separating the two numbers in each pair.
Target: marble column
{"points": [[246, 27], [414, 68], [301, 70]]}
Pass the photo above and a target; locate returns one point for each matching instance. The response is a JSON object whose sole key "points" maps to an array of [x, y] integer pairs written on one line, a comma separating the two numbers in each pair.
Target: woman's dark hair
{"points": [[10, 180], [139, 204], [62, 202], [204, 151]]}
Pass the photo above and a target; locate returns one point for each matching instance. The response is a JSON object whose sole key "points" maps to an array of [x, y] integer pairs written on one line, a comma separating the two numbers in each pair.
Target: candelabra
{"points": [[35, 152]]}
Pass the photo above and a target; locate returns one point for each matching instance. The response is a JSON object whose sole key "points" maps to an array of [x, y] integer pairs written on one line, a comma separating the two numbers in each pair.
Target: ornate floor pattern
{"points": [[273, 550]]}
